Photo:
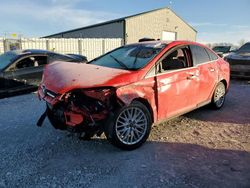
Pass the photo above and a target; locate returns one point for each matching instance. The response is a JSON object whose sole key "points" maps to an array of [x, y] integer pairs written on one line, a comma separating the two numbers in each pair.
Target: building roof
{"points": [[117, 20]]}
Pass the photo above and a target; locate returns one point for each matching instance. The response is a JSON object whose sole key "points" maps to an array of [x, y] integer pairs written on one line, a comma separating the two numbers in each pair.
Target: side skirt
{"points": [[185, 112]]}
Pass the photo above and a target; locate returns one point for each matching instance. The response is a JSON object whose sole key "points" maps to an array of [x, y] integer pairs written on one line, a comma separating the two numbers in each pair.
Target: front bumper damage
{"points": [[78, 110]]}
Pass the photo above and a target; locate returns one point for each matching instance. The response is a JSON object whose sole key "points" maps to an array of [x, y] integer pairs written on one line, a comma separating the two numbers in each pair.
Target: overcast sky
{"points": [[215, 20]]}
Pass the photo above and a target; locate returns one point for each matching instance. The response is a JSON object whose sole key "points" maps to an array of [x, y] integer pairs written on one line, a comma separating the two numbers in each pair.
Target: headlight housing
{"points": [[93, 100]]}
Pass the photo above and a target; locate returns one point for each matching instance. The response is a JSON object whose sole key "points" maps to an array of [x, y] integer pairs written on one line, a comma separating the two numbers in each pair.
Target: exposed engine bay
{"points": [[80, 110]]}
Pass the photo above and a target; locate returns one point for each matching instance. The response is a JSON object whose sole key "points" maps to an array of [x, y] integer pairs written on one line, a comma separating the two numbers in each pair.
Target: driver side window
{"points": [[28, 62], [25, 63], [177, 59]]}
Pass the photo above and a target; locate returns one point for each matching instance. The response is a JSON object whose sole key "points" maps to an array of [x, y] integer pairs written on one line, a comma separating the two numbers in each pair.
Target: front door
{"points": [[177, 82]]}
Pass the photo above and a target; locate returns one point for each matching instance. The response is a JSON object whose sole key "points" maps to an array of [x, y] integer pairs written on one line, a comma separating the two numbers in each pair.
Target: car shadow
{"points": [[155, 164]]}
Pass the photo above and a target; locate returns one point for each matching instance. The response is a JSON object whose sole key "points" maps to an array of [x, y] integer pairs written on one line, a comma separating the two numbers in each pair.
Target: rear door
{"points": [[208, 73], [177, 83]]}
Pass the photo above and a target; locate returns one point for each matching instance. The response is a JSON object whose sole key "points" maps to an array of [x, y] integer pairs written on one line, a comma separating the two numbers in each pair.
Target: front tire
{"points": [[219, 96], [130, 126], [56, 117]]}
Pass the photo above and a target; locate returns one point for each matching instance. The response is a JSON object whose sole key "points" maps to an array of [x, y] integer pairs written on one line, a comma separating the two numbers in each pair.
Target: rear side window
{"points": [[199, 54], [28, 62], [212, 56], [58, 57]]}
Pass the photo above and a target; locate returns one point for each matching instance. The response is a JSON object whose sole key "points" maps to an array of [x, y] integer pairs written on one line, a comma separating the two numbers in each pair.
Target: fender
{"points": [[133, 92]]}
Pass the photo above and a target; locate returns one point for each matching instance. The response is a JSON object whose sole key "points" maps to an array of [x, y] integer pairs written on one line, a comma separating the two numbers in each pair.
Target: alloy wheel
{"points": [[131, 125], [219, 95]]}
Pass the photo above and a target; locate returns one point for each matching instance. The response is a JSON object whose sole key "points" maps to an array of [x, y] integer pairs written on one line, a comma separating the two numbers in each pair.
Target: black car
{"points": [[223, 50], [240, 62], [81, 58], [21, 70]]}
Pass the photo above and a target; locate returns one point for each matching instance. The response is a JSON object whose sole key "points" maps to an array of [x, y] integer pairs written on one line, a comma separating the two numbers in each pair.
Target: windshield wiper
{"points": [[119, 62], [136, 57]]}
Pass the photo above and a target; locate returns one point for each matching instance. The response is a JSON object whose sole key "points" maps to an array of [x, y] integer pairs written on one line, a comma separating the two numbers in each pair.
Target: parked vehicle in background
{"points": [[145, 39], [240, 62], [78, 57], [223, 51], [21, 70], [124, 91]]}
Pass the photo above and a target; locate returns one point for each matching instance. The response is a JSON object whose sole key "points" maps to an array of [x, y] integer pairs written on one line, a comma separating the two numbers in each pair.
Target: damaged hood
{"points": [[61, 77]]}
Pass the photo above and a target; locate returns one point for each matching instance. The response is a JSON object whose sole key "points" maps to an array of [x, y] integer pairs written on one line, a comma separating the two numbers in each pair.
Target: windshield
{"points": [[6, 58], [245, 48], [223, 49], [131, 57]]}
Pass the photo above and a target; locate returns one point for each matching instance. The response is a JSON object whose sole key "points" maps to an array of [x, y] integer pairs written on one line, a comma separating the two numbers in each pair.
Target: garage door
{"points": [[168, 35]]}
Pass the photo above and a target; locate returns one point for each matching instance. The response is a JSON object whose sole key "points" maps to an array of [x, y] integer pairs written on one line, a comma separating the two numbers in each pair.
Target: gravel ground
{"points": [[204, 148]]}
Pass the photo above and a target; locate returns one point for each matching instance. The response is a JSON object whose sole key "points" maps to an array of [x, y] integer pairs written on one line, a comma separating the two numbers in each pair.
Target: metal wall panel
{"points": [[152, 25], [91, 48], [110, 30], [110, 44], [1, 46], [64, 46], [33, 43]]}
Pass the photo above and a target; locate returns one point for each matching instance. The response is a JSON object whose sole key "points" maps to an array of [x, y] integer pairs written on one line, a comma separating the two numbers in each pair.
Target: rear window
{"points": [[7, 58], [212, 56], [199, 54], [245, 48], [223, 49], [57, 57]]}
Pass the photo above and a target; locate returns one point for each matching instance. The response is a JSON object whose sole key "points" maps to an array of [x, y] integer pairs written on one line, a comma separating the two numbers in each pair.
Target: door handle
{"points": [[211, 69], [191, 77]]}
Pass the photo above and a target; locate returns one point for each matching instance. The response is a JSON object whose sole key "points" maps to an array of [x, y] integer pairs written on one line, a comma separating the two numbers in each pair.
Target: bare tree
{"points": [[241, 42]]}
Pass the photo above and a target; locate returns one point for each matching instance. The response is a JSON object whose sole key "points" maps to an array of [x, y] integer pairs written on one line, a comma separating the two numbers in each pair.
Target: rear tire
{"points": [[129, 127], [219, 96]]}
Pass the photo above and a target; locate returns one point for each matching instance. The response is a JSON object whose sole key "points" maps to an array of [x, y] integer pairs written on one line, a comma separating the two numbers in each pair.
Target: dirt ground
{"points": [[227, 128], [205, 148]]}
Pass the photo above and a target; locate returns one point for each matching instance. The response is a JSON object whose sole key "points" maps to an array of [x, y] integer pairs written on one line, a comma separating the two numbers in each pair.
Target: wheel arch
{"points": [[143, 94], [225, 83], [147, 104]]}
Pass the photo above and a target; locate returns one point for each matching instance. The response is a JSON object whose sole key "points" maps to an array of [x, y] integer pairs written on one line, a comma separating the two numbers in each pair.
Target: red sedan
{"points": [[122, 93]]}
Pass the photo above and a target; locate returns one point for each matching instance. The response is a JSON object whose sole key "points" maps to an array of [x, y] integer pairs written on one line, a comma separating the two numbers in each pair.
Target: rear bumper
{"points": [[240, 71], [240, 68]]}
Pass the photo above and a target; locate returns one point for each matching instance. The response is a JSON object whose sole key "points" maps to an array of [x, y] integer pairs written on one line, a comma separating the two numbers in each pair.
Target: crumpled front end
{"points": [[79, 109]]}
